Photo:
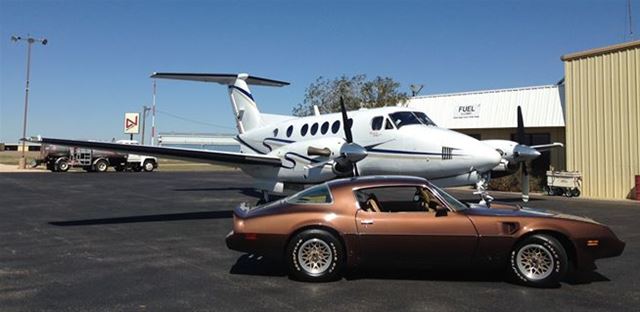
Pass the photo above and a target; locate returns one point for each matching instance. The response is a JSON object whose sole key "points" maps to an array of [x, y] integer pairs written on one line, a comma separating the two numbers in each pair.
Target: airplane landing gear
{"points": [[481, 189]]}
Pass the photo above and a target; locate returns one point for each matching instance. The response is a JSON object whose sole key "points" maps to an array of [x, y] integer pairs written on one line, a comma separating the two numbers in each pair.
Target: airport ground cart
{"points": [[566, 183]]}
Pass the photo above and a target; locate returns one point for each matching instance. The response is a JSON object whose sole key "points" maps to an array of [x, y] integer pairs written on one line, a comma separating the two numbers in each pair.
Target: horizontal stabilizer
{"points": [[225, 79], [197, 155]]}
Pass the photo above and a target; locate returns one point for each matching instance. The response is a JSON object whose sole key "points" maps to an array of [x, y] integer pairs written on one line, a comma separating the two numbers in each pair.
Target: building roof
{"points": [[600, 51], [542, 106]]}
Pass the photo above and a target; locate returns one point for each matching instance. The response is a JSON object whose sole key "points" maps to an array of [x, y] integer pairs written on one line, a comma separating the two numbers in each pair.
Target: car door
{"points": [[415, 236]]}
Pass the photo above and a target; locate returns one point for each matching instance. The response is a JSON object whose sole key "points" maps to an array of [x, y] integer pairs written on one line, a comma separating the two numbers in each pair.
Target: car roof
{"points": [[376, 181]]}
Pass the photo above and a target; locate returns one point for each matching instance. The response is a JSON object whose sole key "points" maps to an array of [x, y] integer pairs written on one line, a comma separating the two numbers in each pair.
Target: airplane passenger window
{"points": [[275, 132], [324, 128], [335, 127], [376, 123], [304, 129], [314, 128], [289, 131]]}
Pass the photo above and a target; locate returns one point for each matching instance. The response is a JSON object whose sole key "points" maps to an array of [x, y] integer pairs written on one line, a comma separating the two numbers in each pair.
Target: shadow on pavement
{"points": [[249, 264], [224, 214]]}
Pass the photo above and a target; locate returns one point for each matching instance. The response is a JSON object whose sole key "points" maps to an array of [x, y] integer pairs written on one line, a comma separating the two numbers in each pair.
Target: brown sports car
{"points": [[339, 224]]}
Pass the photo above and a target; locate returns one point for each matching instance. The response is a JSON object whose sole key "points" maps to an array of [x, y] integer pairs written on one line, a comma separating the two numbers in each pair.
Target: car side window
{"points": [[318, 194], [397, 199]]}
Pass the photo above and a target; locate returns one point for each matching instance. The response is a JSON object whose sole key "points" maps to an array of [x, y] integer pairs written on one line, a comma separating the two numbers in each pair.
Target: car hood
{"points": [[518, 211]]}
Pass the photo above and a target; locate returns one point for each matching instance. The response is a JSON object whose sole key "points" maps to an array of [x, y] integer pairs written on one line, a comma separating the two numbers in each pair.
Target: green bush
{"points": [[511, 183]]}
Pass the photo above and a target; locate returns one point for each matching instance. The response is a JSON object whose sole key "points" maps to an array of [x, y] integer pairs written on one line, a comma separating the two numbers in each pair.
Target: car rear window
{"points": [[319, 194]]}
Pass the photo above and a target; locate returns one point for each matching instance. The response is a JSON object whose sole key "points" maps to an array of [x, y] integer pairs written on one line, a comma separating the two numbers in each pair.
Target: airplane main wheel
{"points": [[315, 256], [539, 261]]}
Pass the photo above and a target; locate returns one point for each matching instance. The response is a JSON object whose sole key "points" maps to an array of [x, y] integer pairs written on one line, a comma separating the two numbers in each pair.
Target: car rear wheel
{"points": [[315, 256], [539, 261]]}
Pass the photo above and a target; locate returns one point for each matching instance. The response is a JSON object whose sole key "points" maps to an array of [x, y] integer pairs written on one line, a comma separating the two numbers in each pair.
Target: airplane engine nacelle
{"points": [[311, 159]]}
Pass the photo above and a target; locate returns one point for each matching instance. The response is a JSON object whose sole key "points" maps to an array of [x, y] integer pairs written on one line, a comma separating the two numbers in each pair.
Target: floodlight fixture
{"points": [[415, 89]]}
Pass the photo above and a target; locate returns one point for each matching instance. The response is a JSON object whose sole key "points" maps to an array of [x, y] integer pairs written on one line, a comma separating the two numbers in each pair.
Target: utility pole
{"points": [[145, 109], [23, 162], [153, 116]]}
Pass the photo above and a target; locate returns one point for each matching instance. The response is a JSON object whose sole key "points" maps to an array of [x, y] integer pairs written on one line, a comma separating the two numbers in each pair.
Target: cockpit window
{"points": [[424, 119], [401, 119], [319, 194]]}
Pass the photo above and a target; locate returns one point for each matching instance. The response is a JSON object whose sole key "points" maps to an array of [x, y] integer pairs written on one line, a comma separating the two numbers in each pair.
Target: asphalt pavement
{"points": [[155, 241]]}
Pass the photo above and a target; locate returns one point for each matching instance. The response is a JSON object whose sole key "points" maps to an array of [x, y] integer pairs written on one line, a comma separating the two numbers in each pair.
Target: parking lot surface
{"points": [[155, 241]]}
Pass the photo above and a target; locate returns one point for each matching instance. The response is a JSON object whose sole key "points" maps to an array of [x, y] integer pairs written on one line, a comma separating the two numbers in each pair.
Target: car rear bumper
{"points": [[270, 245]]}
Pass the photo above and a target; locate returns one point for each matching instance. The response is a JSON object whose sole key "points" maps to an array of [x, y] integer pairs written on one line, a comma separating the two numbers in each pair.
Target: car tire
{"points": [[539, 261], [101, 165], [148, 165], [62, 165], [315, 256]]}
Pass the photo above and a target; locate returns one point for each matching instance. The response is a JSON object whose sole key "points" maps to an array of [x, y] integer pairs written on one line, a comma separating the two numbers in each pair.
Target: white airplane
{"points": [[287, 152]]}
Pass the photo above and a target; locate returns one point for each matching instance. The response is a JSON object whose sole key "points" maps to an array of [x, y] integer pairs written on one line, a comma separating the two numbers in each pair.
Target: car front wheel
{"points": [[315, 256], [539, 261]]}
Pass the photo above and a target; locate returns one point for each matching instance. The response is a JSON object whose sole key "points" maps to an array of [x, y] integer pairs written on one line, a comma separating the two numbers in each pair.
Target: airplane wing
{"points": [[225, 79], [224, 158], [546, 147]]}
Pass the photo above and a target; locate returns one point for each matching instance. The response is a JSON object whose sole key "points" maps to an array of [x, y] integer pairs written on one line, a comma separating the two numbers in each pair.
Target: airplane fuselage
{"points": [[443, 156]]}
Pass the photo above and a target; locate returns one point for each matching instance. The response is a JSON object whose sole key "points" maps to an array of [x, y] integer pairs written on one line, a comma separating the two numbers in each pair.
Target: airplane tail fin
{"points": [[244, 106]]}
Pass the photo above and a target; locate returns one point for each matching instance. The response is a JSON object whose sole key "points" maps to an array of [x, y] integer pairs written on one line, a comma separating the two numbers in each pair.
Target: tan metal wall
{"points": [[603, 119]]}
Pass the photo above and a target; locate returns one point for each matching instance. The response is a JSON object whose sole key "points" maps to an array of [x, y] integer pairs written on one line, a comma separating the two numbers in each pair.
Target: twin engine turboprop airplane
{"points": [[282, 152]]}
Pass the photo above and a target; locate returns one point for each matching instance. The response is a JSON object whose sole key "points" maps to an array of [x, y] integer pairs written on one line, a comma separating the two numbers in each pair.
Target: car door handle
{"points": [[366, 221]]}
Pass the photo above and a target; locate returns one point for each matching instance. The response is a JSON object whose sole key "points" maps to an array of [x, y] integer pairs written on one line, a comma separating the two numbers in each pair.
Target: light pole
{"points": [[145, 109], [30, 40]]}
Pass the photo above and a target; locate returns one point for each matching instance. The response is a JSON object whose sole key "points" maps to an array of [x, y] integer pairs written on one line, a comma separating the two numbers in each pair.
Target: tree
{"points": [[357, 92]]}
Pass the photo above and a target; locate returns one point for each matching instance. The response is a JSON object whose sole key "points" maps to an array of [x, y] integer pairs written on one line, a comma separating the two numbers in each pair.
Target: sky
{"points": [[100, 54]]}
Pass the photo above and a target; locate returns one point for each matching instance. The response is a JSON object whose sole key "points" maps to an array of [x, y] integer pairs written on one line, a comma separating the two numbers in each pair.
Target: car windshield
{"points": [[401, 119], [319, 194], [453, 203]]}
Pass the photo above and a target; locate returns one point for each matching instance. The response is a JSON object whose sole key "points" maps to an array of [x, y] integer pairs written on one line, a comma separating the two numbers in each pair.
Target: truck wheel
{"points": [[148, 165], [101, 165], [62, 165]]}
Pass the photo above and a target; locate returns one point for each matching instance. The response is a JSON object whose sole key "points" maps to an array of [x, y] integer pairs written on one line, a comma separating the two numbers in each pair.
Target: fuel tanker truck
{"points": [[59, 158]]}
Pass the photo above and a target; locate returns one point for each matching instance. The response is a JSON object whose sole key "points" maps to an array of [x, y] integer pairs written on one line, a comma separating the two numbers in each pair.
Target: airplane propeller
{"points": [[350, 152], [523, 154]]}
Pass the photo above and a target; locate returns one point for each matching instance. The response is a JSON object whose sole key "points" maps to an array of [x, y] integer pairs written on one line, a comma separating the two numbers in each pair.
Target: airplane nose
{"points": [[485, 157]]}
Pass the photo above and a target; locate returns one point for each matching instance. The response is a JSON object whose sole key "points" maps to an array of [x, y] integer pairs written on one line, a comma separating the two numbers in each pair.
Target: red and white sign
{"points": [[131, 124]]}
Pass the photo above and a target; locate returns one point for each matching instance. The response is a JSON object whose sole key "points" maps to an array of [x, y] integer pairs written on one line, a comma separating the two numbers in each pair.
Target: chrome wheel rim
{"points": [[314, 256], [102, 166], [535, 261], [148, 166]]}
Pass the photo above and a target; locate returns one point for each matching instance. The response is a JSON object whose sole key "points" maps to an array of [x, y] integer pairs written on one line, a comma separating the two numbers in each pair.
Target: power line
{"points": [[193, 120]]}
